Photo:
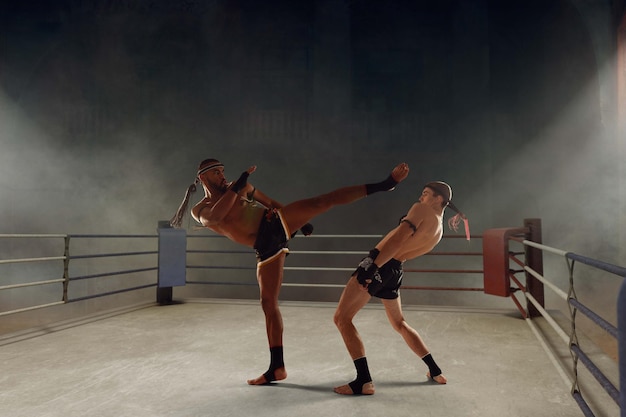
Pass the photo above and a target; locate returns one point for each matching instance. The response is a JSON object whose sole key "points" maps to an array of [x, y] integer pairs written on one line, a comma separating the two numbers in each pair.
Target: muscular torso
{"points": [[428, 234], [240, 224]]}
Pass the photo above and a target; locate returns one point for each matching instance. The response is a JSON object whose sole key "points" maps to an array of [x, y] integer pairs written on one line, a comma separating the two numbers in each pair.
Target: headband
{"points": [[445, 191], [215, 164], [442, 189]]}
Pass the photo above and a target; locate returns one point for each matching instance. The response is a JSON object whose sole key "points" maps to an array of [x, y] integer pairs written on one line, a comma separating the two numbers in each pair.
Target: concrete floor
{"points": [[193, 359]]}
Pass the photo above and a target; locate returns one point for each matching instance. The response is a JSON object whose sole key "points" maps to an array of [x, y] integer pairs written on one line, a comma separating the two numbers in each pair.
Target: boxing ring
{"points": [[54, 285]]}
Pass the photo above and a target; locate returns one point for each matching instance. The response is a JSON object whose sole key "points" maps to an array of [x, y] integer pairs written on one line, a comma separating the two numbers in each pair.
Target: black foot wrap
{"points": [[357, 386], [276, 362], [432, 366], [269, 376], [362, 376], [386, 185]]}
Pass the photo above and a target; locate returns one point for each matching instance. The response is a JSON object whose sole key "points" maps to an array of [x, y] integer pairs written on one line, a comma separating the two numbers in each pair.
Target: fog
{"points": [[106, 108]]}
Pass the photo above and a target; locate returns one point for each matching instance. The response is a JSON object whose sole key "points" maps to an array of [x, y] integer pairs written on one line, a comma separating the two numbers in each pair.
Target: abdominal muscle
{"points": [[241, 224]]}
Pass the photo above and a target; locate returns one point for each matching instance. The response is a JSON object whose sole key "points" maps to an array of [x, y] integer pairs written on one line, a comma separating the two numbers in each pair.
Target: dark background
{"points": [[109, 106], [106, 108]]}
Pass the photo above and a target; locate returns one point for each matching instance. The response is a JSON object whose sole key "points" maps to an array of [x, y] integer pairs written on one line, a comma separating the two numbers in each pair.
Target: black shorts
{"points": [[390, 280], [272, 236]]}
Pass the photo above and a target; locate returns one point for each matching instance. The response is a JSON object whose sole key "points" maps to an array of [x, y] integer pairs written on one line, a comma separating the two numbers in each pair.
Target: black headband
{"points": [[215, 164]]}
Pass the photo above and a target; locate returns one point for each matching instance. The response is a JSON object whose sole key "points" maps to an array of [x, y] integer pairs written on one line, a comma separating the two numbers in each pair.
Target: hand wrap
{"points": [[241, 182], [368, 270]]}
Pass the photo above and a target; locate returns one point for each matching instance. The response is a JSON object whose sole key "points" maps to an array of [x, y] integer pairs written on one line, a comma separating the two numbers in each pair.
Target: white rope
{"points": [[27, 235], [554, 288], [550, 353], [544, 247], [31, 284], [549, 319], [287, 284], [339, 236], [316, 268], [5, 313], [15, 261], [326, 252]]}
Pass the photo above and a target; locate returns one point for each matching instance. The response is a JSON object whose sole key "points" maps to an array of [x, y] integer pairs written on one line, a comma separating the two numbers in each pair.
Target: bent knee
{"points": [[338, 320], [398, 325], [342, 321]]}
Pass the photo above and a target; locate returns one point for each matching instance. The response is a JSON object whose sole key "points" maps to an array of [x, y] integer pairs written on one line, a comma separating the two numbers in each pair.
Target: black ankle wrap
{"points": [[276, 362], [386, 185], [362, 376], [432, 366]]}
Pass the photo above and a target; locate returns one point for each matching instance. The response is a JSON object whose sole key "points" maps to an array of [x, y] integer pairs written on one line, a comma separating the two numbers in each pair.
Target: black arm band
{"points": [[410, 223], [241, 182]]}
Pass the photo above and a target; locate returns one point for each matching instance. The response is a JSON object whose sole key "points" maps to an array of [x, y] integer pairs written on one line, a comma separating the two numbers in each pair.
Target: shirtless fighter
{"points": [[380, 275], [247, 216]]}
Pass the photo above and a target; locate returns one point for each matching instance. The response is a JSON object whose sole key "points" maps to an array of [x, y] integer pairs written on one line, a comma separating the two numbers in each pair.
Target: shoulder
{"points": [[420, 213], [421, 210], [197, 209]]}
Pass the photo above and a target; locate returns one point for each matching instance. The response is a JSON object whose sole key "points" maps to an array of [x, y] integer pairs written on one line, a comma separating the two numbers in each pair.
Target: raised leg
{"points": [[298, 213]]}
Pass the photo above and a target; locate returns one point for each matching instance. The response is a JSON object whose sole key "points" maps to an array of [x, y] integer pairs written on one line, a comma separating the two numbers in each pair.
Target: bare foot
{"points": [[368, 389], [440, 379], [279, 375], [400, 172]]}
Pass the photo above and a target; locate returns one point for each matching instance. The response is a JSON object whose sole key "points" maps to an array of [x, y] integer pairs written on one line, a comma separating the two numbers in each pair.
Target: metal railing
{"points": [[78, 258], [571, 339], [83, 259], [220, 258]]}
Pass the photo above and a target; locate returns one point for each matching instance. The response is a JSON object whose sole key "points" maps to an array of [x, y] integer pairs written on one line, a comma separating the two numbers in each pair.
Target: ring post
{"points": [[496, 260], [172, 261], [534, 259]]}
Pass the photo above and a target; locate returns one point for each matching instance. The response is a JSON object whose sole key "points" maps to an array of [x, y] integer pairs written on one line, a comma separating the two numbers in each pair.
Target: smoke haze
{"points": [[107, 107]]}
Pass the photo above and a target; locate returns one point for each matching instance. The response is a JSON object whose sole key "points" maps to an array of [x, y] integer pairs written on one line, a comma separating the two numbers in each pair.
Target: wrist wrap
{"points": [[241, 182], [368, 268]]}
